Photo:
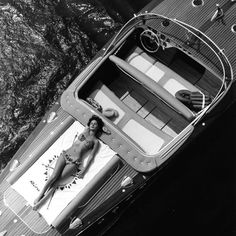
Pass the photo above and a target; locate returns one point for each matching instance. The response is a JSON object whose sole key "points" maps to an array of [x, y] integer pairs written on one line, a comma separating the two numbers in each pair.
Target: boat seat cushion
{"points": [[160, 73]]}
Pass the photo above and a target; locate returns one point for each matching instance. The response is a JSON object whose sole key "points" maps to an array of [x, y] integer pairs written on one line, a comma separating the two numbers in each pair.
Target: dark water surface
{"points": [[195, 195], [43, 45]]}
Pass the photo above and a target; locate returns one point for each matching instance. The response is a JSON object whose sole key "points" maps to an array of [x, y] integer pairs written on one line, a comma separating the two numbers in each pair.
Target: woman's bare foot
{"points": [[37, 199], [36, 202], [36, 207]]}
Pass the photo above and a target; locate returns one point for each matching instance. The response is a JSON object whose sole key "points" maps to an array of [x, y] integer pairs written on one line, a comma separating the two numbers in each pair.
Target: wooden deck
{"points": [[203, 80], [200, 18], [24, 212], [18, 218]]}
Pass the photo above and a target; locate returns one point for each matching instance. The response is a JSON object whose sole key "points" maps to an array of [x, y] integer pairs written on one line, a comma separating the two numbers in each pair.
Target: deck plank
{"points": [[135, 101], [19, 206]]}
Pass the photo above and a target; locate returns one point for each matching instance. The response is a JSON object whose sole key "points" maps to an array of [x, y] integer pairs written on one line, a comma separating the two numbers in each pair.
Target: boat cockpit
{"points": [[160, 78]]}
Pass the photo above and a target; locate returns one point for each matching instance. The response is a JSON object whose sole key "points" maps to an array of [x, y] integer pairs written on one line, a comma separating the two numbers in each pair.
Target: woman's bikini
{"points": [[89, 143], [68, 157]]}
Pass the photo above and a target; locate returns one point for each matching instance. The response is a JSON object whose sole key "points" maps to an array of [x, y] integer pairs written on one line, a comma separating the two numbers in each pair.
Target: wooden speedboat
{"points": [[166, 74]]}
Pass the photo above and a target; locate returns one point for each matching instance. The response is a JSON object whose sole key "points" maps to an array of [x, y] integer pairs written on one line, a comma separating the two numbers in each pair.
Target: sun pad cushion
{"points": [[32, 181]]}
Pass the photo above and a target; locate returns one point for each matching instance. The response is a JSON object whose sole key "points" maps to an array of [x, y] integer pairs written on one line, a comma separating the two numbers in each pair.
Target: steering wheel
{"points": [[149, 41]]}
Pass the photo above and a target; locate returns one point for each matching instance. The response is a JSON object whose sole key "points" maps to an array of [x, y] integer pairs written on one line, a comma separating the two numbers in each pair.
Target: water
{"points": [[195, 195], [44, 44]]}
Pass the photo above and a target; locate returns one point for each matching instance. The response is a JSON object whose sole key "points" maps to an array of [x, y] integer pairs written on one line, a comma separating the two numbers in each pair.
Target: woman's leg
{"points": [[68, 172], [60, 164], [66, 176]]}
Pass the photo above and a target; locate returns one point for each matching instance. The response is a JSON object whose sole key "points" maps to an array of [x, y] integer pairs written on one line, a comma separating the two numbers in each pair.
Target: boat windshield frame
{"points": [[140, 19]]}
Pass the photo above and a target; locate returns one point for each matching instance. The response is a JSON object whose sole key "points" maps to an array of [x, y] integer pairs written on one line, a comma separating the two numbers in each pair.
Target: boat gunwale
{"points": [[181, 24], [224, 87]]}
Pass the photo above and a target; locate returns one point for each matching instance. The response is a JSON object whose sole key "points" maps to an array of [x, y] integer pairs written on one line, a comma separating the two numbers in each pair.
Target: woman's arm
{"points": [[90, 159]]}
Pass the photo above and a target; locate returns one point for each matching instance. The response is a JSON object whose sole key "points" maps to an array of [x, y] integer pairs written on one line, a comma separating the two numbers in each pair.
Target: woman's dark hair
{"points": [[99, 121]]}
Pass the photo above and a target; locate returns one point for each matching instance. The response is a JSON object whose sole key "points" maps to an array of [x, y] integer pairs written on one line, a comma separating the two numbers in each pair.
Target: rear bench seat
{"points": [[158, 72]]}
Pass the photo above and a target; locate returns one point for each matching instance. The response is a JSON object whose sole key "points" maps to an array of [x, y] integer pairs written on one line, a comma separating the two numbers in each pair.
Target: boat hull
{"points": [[104, 208]]}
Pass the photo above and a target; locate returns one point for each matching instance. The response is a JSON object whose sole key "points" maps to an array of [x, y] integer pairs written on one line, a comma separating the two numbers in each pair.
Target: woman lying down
{"points": [[71, 160]]}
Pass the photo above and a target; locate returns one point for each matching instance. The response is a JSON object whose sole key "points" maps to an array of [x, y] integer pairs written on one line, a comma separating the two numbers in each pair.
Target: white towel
{"points": [[32, 181]]}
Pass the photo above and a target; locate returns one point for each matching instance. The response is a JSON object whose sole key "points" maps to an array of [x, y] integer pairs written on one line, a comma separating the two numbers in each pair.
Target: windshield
{"points": [[184, 37]]}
